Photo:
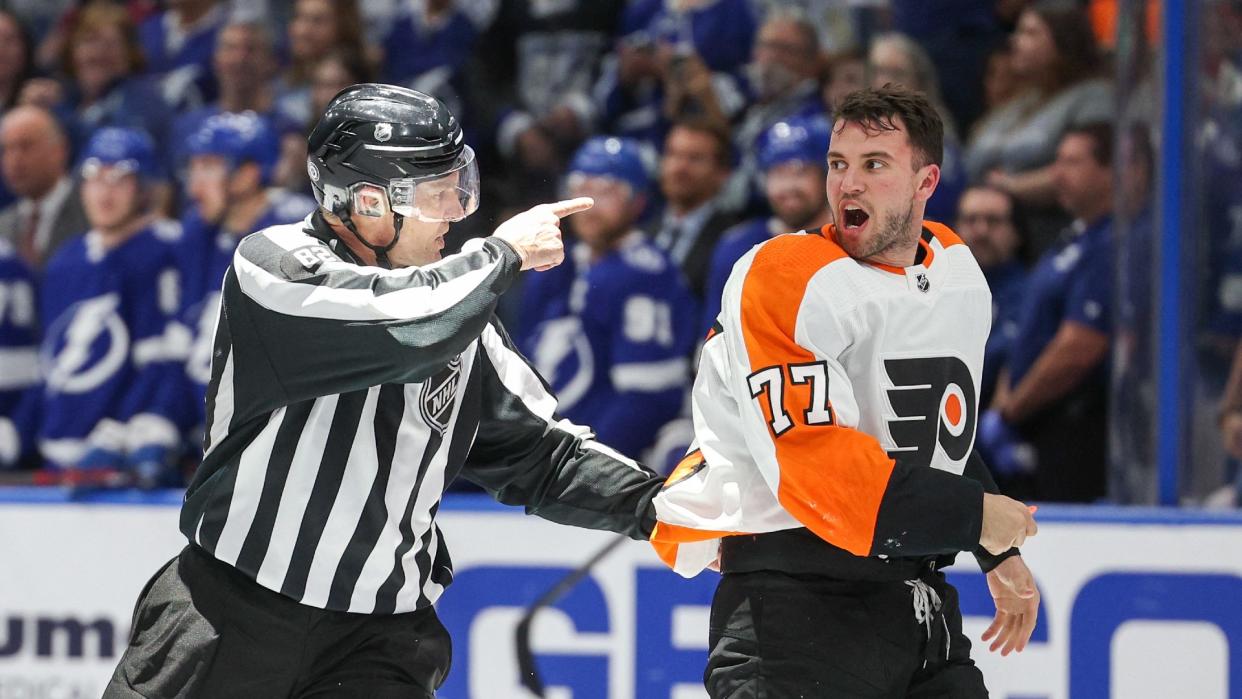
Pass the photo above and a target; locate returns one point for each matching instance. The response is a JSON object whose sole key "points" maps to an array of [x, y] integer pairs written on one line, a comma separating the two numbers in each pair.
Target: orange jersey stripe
{"points": [[831, 478], [943, 233]]}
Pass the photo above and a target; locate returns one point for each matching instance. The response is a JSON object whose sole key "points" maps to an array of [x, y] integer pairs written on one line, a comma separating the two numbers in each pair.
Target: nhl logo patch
{"points": [[383, 132], [923, 282], [438, 396]]}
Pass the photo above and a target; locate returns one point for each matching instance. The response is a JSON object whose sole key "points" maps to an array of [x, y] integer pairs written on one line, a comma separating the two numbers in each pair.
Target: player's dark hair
{"points": [[882, 109], [1100, 134]]}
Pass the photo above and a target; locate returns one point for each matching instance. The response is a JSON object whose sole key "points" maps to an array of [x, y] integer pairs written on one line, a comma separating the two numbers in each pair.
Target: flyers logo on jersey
{"points": [[933, 399]]}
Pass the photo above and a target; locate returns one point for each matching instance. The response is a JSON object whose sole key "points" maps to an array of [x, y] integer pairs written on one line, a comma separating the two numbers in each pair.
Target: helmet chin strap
{"points": [[381, 252]]}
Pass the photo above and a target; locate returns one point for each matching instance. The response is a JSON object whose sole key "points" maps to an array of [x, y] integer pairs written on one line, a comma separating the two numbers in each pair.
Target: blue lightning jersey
{"points": [[112, 352], [613, 337], [205, 252], [19, 358]]}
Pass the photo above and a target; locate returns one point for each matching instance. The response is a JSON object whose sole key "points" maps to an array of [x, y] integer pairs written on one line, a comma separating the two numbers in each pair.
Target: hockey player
{"points": [[834, 412], [355, 375], [231, 161], [19, 359], [792, 158], [612, 330], [113, 396]]}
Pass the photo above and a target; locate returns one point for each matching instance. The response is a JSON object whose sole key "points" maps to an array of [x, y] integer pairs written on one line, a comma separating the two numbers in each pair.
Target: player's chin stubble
{"points": [[891, 234]]}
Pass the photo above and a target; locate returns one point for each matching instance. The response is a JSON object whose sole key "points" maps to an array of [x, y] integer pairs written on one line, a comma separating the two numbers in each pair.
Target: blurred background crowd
{"points": [[140, 140]]}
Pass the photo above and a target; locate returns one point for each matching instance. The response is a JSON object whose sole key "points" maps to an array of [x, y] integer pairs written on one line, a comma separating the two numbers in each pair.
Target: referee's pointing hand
{"points": [[536, 232]]}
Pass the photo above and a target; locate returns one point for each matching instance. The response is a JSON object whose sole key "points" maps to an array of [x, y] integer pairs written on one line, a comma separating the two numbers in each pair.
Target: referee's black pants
{"points": [[202, 629], [779, 636]]}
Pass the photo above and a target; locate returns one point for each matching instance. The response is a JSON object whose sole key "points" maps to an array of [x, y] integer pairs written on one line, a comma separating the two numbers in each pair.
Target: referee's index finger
{"points": [[571, 206]]}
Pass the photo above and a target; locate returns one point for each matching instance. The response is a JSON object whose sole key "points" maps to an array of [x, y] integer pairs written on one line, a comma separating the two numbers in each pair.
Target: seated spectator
{"points": [[988, 222], [793, 158], [674, 61], [337, 71], [693, 170], [232, 158], [19, 360], [955, 36], [16, 67], [178, 43], [103, 63], [896, 58], [843, 72], [1057, 66], [613, 327], [1056, 383], [243, 65], [427, 46], [114, 398], [783, 83], [530, 90], [34, 160], [318, 28]]}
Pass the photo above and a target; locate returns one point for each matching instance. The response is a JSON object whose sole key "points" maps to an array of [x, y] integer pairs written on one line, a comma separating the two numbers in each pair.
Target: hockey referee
{"points": [[354, 375]]}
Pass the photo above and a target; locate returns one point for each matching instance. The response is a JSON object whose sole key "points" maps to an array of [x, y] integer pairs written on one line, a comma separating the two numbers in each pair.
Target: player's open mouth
{"points": [[853, 217]]}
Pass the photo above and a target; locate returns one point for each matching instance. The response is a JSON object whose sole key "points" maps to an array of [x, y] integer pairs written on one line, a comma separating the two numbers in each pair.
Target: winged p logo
{"points": [[934, 403]]}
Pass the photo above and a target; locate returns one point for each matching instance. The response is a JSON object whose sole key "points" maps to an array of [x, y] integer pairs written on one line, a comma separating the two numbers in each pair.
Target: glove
{"points": [[1002, 448]]}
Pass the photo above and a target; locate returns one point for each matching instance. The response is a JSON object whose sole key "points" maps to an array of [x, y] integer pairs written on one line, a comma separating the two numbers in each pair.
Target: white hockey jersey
{"points": [[826, 389]]}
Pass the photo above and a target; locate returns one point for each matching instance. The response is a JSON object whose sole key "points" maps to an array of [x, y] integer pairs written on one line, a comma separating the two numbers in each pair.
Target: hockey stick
{"points": [[528, 672]]}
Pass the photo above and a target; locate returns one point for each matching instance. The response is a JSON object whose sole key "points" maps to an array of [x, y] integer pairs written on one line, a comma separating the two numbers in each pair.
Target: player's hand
{"points": [[1006, 523], [1017, 606], [536, 232]]}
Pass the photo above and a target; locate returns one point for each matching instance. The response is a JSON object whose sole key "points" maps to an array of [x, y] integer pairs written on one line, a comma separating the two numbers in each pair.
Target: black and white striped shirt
{"points": [[344, 399]]}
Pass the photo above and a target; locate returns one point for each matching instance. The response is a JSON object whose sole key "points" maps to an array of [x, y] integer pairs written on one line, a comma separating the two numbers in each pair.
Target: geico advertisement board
{"points": [[1134, 605]]}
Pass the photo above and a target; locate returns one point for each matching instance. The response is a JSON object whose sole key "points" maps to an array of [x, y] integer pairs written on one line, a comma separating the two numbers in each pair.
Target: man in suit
{"points": [[693, 170], [34, 160]]}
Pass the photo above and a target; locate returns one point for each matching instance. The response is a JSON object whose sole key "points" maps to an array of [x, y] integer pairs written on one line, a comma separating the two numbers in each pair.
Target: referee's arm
{"points": [[326, 326], [527, 455]]}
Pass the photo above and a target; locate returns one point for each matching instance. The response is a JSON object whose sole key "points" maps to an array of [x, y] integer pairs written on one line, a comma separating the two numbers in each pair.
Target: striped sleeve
{"points": [[527, 455], [323, 326]]}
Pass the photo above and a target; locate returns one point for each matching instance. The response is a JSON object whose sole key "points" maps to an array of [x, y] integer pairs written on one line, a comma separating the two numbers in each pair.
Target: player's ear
{"points": [[926, 179]]}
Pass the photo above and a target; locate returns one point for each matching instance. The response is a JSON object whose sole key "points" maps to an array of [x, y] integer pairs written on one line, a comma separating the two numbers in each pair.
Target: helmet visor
{"points": [[450, 196]]}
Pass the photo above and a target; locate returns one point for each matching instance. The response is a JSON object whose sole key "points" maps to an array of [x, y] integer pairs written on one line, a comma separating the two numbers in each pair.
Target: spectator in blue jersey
{"points": [[178, 43], [427, 45], [694, 168], [103, 64], [674, 61], [19, 360], [612, 329], [112, 353], [1056, 382], [232, 158], [243, 64], [897, 59], [989, 223], [793, 158]]}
